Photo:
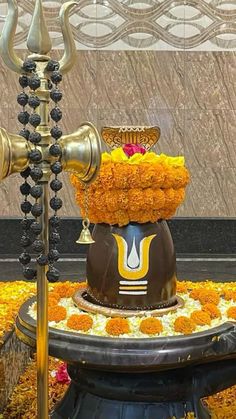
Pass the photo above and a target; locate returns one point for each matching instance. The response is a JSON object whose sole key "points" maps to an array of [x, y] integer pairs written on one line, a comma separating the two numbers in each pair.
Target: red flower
{"points": [[131, 149], [62, 375]]}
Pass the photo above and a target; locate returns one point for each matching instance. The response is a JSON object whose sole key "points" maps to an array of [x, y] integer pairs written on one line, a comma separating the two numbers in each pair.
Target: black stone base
{"points": [[161, 395]]}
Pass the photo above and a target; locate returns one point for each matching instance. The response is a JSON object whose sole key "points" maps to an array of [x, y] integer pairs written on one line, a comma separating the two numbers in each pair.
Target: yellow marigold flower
{"points": [[200, 317], [184, 325], [82, 322], [117, 326], [151, 326], [106, 158], [231, 312], [209, 296], [212, 310], [56, 313], [118, 155]]}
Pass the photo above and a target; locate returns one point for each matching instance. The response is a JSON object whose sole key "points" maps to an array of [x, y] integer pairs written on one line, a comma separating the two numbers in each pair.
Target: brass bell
{"points": [[85, 235]]}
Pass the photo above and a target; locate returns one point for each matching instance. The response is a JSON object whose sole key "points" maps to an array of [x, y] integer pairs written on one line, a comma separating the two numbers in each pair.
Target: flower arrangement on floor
{"points": [[134, 185]]}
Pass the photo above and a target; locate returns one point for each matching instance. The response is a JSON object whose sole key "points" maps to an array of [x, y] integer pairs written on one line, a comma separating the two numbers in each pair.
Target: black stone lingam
{"points": [[138, 378], [132, 267]]}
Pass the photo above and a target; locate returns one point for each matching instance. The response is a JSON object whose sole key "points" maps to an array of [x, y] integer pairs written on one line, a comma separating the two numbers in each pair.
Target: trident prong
{"points": [[7, 52], [68, 58], [38, 41]]}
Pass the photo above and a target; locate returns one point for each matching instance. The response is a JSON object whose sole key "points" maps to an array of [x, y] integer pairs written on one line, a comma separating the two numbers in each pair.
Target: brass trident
{"points": [[80, 151]]}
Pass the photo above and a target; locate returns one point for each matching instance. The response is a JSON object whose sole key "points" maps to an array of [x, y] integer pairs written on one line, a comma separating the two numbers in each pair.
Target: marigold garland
{"points": [[151, 326], [142, 188], [117, 326], [201, 317], [81, 322], [184, 325]]}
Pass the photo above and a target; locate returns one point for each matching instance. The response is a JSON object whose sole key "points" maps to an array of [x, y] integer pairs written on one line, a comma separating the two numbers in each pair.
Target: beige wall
{"points": [[190, 95]]}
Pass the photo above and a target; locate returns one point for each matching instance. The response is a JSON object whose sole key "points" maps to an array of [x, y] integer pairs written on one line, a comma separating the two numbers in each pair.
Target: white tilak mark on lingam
{"points": [[133, 261], [133, 282], [133, 292]]}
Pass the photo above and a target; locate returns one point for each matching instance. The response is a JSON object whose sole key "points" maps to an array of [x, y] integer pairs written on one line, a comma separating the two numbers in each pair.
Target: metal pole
{"points": [[42, 317]]}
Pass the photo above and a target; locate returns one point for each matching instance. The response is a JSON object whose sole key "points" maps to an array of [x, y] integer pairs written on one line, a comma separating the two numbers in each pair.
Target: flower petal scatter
{"points": [[62, 375], [134, 185]]}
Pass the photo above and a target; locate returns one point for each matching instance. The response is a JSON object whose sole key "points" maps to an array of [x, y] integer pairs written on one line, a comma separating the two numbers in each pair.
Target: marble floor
{"points": [[193, 267]]}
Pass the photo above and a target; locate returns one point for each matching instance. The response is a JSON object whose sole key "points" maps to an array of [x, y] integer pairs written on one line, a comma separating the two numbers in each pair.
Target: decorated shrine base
{"points": [[209, 377], [121, 371]]}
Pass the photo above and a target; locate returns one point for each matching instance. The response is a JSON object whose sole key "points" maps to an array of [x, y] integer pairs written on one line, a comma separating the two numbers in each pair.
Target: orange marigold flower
{"points": [[54, 294], [56, 313], [159, 199], [179, 196], [121, 175], [151, 326], [65, 289], [231, 312], [51, 301], [181, 286], [117, 326], [151, 175], [209, 296], [212, 310], [82, 322], [106, 175], [169, 197], [230, 295], [184, 325], [194, 294], [166, 214], [181, 177], [201, 317]]}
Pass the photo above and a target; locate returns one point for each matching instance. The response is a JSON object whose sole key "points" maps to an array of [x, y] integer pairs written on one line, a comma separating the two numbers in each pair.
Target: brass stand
{"points": [[80, 152]]}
